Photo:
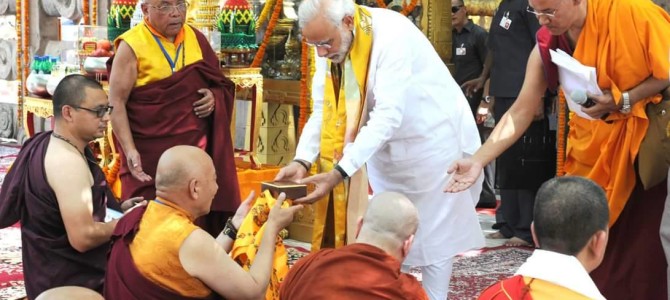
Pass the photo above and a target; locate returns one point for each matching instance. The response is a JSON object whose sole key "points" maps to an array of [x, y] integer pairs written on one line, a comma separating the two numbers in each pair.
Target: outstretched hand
{"points": [[135, 165], [282, 217], [324, 183], [243, 210], [464, 172]]}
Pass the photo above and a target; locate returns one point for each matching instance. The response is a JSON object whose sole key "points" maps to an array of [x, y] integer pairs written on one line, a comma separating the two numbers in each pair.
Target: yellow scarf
{"points": [[341, 122], [249, 238]]}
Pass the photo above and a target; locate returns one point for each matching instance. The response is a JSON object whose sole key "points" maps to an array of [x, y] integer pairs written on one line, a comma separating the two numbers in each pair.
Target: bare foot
{"points": [[517, 242], [495, 235]]}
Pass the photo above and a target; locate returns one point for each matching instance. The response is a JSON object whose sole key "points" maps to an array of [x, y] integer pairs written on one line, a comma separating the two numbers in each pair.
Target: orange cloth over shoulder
{"points": [[627, 41]]}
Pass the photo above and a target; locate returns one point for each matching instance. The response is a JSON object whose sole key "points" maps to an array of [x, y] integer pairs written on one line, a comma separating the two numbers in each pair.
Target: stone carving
{"points": [[7, 59], [7, 7], [70, 9]]}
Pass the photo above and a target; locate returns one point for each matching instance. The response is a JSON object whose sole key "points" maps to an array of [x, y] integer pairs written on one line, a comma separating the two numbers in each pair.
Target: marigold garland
{"points": [[560, 135], [406, 9], [19, 64], [258, 59], [94, 12], [84, 9], [269, 5], [304, 87]]}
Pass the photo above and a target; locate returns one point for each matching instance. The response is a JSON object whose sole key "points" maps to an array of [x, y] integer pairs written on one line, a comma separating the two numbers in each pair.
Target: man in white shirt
{"points": [[570, 227], [387, 103]]}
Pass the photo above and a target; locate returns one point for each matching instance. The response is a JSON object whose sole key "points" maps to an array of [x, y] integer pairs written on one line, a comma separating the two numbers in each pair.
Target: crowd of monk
{"points": [[403, 126]]}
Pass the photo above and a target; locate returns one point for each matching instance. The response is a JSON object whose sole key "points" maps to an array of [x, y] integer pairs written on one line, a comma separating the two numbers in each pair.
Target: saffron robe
{"points": [[416, 123], [123, 280], [356, 271], [634, 263], [48, 258], [161, 116]]}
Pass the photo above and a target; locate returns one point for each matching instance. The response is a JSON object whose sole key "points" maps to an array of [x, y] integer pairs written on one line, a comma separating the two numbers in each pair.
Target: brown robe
{"points": [[161, 116], [48, 258], [356, 271]]}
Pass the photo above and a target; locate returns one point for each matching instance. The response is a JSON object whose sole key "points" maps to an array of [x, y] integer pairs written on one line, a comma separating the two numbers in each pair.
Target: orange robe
{"points": [[526, 288], [627, 41], [356, 271]]}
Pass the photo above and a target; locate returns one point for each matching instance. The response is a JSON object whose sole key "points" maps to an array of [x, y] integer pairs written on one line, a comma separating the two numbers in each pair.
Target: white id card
{"points": [[506, 22], [460, 51]]}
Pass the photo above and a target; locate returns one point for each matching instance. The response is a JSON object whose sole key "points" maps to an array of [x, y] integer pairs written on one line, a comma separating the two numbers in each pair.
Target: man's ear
{"points": [[348, 22], [193, 188], [598, 244], [359, 225], [532, 232], [406, 245]]}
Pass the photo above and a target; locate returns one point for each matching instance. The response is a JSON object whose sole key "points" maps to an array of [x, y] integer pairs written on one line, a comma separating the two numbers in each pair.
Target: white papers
{"points": [[574, 76]]}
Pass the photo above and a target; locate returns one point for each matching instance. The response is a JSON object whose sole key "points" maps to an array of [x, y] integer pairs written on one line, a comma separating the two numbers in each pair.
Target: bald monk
{"points": [[158, 253], [628, 44], [368, 268], [570, 228], [69, 293]]}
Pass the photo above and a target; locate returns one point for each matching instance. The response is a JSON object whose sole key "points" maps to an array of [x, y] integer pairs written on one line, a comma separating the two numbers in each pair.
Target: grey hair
{"points": [[335, 10]]}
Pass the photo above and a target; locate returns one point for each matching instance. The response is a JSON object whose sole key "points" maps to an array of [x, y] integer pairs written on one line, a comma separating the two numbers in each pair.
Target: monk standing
{"points": [[166, 84], [627, 42], [368, 268], [59, 193]]}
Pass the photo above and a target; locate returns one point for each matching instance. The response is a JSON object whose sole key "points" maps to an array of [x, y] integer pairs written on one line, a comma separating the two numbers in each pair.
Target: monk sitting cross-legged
{"points": [[368, 268], [570, 226], [158, 253]]}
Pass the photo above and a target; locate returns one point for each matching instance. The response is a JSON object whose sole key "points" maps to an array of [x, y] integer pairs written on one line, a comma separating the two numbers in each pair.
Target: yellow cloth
{"points": [[541, 289], [152, 64], [155, 249], [627, 41], [341, 118], [249, 237]]}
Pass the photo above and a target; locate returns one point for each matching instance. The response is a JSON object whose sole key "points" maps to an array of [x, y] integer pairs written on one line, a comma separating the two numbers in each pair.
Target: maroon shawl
{"points": [[356, 271], [48, 258], [161, 116], [123, 280], [545, 42]]}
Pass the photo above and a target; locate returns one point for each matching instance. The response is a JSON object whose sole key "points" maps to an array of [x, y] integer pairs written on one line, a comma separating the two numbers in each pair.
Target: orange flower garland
{"points": [[269, 5], [406, 9], [94, 12], [19, 64], [560, 135], [84, 9], [304, 86], [258, 59]]}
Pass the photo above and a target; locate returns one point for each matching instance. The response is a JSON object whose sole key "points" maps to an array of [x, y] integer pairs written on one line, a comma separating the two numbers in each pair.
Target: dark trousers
{"points": [[487, 198], [517, 209]]}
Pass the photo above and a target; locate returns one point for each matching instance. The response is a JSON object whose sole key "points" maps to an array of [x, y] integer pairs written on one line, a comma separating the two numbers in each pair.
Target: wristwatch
{"points": [[230, 230], [625, 108], [487, 99]]}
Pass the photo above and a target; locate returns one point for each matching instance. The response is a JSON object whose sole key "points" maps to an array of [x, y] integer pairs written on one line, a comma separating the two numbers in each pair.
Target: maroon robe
{"points": [[356, 271], [161, 116], [634, 265], [123, 280], [48, 258]]}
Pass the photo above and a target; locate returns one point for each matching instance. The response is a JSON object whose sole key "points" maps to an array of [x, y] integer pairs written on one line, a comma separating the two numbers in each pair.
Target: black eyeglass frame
{"points": [[100, 112], [457, 8]]}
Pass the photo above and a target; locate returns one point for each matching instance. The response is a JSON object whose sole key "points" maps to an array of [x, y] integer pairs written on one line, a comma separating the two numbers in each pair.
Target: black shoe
{"points": [[486, 204], [498, 225]]}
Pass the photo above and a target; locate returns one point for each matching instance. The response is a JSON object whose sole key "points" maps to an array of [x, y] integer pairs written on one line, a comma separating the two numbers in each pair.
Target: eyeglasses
{"points": [[550, 13], [455, 9], [325, 45], [166, 9], [99, 112]]}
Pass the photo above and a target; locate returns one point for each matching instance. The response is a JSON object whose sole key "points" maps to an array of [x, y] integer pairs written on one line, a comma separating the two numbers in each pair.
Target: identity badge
{"points": [[506, 22], [460, 51]]}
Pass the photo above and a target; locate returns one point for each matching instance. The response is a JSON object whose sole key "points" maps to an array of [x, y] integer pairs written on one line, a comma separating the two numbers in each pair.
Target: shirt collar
{"points": [[177, 40], [562, 270], [469, 26]]}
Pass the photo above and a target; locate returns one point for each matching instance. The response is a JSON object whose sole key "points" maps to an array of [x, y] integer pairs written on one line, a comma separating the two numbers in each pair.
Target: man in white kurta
{"points": [[414, 123]]}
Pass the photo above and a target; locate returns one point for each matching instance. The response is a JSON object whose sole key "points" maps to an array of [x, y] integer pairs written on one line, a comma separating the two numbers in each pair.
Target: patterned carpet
{"points": [[473, 271]]}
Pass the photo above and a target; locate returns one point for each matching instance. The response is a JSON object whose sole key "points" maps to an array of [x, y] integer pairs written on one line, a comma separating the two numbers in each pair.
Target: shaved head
{"points": [[180, 163], [390, 218], [69, 293]]}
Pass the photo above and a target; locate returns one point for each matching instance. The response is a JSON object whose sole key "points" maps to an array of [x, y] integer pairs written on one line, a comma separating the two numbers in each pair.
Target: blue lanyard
{"points": [[173, 63], [159, 202]]}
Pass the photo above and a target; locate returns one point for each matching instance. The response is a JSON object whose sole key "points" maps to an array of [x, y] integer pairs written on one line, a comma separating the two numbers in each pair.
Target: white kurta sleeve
{"points": [[391, 85], [309, 142]]}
